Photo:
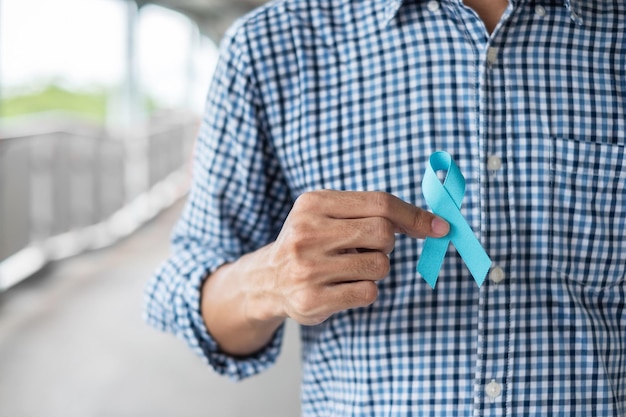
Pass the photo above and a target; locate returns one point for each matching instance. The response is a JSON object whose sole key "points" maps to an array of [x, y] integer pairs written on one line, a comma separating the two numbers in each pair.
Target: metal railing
{"points": [[64, 186]]}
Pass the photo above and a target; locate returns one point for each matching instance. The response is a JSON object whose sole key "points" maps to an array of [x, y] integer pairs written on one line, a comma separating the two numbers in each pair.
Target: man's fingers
{"points": [[373, 233], [313, 307], [350, 295], [407, 218], [347, 267]]}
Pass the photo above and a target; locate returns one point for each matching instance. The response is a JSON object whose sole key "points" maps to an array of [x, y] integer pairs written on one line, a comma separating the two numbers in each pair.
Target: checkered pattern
{"points": [[355, 95]]}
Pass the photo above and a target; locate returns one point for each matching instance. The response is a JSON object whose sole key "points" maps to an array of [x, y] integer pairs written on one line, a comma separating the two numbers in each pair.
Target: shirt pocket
{"points": [[588, 212]]}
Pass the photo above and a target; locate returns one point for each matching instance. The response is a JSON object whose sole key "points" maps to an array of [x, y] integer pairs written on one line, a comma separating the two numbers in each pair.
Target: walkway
{"points": [[72, 344]]}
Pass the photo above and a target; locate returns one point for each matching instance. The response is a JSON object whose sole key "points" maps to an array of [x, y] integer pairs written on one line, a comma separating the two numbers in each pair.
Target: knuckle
{"points": [[305, 200], [368, 293], [310, 200], [382, 201], [304, 302], [390, 244], [385, 231], [300, 230], [304, 228], [378, 265], [303, 233], [383, 266], [421, 220]]}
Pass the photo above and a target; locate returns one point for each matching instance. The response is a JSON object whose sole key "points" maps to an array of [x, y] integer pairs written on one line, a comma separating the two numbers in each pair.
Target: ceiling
{"points": [[212, 16]]}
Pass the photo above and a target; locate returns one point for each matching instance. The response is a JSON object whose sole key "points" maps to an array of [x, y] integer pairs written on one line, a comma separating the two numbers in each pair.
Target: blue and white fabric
{"points": [[355, 95]]}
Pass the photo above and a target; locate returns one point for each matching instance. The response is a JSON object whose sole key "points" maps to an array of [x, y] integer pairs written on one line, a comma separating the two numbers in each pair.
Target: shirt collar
{"points": [[360, 17], [391, 7]]}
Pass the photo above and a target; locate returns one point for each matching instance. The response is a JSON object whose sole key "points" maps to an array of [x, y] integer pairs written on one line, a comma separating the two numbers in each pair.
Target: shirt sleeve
{"points": [[237, 203]]}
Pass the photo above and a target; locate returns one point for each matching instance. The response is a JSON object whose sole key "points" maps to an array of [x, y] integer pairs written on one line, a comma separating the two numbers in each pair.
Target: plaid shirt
{"points": [[355, 95]]}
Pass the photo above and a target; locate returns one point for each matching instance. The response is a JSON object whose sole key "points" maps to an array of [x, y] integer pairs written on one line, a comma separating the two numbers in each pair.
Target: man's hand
{"points": [[333, 247]]}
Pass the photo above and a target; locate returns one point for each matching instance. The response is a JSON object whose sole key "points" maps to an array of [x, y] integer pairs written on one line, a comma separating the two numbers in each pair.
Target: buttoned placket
{"points": [[493, 315], [490, 391]]}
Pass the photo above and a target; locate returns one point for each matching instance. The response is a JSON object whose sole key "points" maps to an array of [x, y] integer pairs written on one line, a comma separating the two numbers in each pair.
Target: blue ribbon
{"points": [[445, 201]]}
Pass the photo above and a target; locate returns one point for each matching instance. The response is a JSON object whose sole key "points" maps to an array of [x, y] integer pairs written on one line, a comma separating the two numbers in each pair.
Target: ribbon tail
{"points": [[474, 256], [431, 259], [466, 243]]}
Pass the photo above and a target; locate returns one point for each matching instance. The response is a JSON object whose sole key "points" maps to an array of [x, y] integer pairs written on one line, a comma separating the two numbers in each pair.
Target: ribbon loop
{"points": [[445, 201]]}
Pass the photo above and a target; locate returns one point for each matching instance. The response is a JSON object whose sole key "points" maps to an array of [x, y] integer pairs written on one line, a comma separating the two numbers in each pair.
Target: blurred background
{"points": [[100, 102]]}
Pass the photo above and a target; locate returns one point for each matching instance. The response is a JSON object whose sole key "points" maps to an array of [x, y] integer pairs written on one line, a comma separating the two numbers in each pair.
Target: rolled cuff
{"points": [[184, 319]]}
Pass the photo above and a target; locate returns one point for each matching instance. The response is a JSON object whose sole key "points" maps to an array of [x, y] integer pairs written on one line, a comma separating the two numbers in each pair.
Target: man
{"points": [[307, 204]]}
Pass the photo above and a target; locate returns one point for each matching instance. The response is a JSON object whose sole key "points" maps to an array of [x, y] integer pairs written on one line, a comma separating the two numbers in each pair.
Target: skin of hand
{"points": [[333, 247]]}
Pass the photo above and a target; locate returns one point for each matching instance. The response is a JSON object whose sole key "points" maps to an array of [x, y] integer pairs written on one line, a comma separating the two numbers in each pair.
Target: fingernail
{"points": [[439, 226]]}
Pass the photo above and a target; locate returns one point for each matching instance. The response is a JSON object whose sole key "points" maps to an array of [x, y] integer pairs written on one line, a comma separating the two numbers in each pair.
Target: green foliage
{"points": [[88, 105]]}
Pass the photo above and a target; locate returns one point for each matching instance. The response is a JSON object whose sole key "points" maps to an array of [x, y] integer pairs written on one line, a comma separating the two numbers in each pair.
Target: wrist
{"points": [[262, 304], [238, 310]]}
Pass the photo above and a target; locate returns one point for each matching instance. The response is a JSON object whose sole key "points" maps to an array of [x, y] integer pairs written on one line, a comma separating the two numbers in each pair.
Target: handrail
{"points": [[63, 188]]}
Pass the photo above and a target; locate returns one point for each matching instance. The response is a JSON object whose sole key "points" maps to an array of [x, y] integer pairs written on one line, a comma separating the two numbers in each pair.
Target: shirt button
{"points": [[496, 275], [493, 389], [494, 163], [576, 18], [433, 6], [492, 55], [540, 10]]}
